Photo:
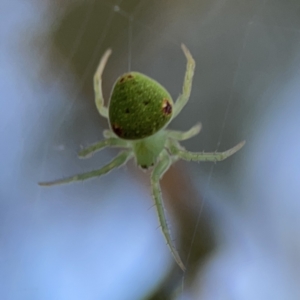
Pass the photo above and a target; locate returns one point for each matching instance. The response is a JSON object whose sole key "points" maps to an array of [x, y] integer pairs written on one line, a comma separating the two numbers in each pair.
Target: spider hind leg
{"points": [[185, 135], [103, 111]]}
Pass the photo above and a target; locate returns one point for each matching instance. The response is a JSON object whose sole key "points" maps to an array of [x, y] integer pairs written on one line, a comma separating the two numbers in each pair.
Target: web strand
{"points": [[235, 77]]}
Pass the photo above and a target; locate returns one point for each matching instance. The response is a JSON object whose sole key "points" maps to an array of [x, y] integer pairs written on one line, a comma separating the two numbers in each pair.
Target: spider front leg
{"points": [[176, 149], [110, 142], [118, 161], [187, 84], [98, 85], [157, 173]]}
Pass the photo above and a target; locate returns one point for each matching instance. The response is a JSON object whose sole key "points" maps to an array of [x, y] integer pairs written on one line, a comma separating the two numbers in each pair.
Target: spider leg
{"points": [[178, 151], [157, 173], [107, 133], [181, 136], [187, 83], [118, 161], [110, 142], [98, 85]]}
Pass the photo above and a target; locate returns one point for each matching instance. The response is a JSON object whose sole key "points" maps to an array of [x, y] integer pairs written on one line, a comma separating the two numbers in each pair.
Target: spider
{"points": [[138, 113]]}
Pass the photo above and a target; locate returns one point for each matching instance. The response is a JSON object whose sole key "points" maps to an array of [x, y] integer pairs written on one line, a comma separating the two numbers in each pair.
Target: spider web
{"points": [[228, 219]]}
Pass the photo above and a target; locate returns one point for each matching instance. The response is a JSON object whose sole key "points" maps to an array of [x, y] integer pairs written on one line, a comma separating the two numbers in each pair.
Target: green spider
{"points": [[139, 111]]}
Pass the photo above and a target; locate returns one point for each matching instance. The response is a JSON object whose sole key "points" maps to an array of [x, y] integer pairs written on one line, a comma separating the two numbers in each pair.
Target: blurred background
{"points": [[236, 223]]}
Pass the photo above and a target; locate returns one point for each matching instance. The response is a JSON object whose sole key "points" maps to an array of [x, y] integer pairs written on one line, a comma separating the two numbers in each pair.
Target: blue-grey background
{"points": [[236, 223]]}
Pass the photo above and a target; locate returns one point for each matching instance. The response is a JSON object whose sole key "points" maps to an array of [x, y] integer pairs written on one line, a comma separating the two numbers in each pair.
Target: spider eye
{"points": [[139, 106]]}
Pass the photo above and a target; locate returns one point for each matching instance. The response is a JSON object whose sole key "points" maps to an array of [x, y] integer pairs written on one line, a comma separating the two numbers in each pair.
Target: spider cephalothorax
{"points": [[139, 111]]}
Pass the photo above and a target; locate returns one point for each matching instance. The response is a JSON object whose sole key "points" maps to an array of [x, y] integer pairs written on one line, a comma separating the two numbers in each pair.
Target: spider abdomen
{"points": [[139, 106]]}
